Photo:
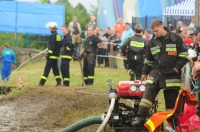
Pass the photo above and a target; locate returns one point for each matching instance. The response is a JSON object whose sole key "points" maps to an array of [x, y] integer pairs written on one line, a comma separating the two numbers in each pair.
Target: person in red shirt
{"points": [[119, 27]]}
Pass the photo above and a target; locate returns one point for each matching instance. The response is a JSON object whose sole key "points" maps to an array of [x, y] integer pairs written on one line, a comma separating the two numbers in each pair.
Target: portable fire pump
{"points": [[123, 114]]}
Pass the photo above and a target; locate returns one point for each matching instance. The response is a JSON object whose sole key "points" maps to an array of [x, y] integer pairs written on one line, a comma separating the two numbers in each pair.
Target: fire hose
{"points": [[83, 123], [113, 97]]}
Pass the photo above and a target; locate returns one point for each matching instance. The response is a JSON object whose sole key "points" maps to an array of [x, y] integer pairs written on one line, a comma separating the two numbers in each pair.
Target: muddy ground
{"points": [[43, 109]]}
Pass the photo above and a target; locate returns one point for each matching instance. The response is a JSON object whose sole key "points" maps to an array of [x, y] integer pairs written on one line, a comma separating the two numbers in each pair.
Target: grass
{"points": [[92, 101]]}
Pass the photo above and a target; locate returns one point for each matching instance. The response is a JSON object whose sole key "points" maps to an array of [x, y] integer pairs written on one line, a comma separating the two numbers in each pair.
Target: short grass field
{"points": [[78, 102]]}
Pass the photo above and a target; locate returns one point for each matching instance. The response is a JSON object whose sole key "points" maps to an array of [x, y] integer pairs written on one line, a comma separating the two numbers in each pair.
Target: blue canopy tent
{"points": [[29, 18]]}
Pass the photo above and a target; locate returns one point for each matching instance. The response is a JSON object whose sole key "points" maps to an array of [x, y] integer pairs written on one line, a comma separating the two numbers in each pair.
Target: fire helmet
{"points": [[52, 25]]}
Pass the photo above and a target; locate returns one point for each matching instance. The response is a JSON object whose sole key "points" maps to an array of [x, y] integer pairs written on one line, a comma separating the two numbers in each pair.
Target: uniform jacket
{"points": [[8, 56], [67, 47], [162, 56], [54, 45], [134, 46], [91, 44]]}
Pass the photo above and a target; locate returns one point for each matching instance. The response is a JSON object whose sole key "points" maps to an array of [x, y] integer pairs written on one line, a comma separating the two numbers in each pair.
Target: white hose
{"points": [[107, 115]]}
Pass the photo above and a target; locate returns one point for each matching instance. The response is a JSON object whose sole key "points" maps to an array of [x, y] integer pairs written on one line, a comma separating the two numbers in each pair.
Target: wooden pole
{"points": [[197, 12]]}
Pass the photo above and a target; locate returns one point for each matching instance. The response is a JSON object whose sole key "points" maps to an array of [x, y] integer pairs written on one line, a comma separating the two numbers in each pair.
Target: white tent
{"points": [[185, 8]]}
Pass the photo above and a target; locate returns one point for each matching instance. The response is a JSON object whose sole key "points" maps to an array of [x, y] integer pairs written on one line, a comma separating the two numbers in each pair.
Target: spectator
{"points": [[119, 27], [170, 26], [114, 42], [75, 28], [91, 23], [107, 35], [8, 60], [180, 25], [147, 34], [101, 49], [127, 32], [192, 23]]}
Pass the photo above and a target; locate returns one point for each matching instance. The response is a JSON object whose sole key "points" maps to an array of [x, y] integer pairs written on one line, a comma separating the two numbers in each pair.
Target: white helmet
{"points": [[52, 25]]}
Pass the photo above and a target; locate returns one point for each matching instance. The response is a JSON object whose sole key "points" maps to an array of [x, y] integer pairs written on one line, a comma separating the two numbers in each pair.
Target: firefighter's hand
{"points": [[144, 77]]}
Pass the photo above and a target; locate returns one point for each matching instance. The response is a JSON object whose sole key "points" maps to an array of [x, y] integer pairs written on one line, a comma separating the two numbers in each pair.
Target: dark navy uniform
{"points": [[52, 58], [89, 58], [66, 53], [163, 54], [134, 48]]}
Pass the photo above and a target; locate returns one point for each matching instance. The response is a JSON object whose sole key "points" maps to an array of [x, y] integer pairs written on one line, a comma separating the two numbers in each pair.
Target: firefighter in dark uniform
{"points": [[66, 53], [134, 47], [164, 58], [53, 54], [92, 42]]}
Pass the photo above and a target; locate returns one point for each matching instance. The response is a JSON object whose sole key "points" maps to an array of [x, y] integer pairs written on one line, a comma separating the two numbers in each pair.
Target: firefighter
{"points": [[52, 55], [134, 47], [92, 42], [164, 58], [8, 60], [66, 53]]}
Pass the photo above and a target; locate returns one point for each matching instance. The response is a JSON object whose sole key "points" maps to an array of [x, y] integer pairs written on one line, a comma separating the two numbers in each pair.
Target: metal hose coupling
{"points": [[113, 94]]}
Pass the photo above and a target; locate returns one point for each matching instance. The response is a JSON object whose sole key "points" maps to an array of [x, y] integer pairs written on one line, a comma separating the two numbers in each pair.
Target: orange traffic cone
{"points": [[20, 82]]}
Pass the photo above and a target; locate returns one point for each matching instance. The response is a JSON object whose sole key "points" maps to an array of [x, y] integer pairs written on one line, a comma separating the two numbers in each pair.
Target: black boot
{"points": [[41, 83], [66, 84], [141, 118], [58, 83], [139, 121], [131, 74]]}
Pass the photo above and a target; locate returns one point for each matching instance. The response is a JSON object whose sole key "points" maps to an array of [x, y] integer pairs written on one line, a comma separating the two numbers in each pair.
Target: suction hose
{"points": [[83, 123]]}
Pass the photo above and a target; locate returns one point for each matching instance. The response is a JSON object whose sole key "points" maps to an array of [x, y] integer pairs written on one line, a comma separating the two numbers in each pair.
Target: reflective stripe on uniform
{"points": [[145, 105], [58, 38], [90, 77], [66, 79], [150, 79], [67, 48], [146, 101], [183, 55], [171, 49], [155, 50], [85, 78], [150, 63], [53, 57], [65, 56], [173, 82], [43, 77], [57, 77], [137, 44], [171, 45], [50, 51]]}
